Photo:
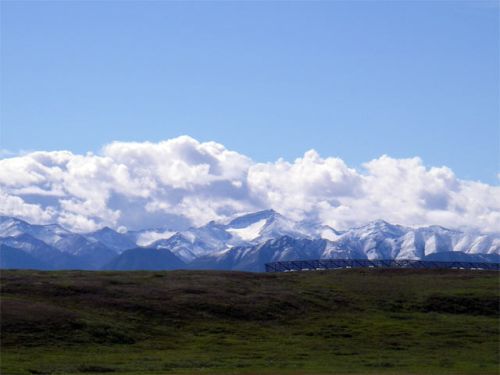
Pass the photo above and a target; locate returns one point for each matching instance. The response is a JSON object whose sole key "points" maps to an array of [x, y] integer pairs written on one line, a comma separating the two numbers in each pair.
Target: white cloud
{"points": [[182, 181]]}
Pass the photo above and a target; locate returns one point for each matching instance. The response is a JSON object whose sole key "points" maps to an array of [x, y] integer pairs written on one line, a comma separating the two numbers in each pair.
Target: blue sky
{"points": [[268, 79]]}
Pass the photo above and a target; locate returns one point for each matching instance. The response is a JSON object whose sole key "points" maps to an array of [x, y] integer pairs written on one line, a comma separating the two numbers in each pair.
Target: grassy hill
{"points": [[195, 322]]}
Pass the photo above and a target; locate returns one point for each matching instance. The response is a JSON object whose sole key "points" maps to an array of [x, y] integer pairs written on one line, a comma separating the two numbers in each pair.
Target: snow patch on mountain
{"points": [[146, 238], [249, 233]]}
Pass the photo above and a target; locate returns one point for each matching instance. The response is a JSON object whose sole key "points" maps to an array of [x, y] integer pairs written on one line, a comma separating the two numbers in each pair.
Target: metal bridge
{"points": [[332, 264]]}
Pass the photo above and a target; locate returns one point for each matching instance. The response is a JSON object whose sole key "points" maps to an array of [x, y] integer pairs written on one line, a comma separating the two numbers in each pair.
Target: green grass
{"points": [[187, 322]]}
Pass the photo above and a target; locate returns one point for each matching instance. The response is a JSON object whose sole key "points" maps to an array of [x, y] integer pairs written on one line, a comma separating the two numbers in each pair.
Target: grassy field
{"points": [[188, 322]]}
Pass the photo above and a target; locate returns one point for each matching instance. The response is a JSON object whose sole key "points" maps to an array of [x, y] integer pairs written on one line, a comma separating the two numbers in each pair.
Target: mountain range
{"points": [[245, 243]]}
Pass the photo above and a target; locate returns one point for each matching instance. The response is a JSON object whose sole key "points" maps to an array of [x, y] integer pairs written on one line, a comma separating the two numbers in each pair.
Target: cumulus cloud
{"points": [[181, 182]]}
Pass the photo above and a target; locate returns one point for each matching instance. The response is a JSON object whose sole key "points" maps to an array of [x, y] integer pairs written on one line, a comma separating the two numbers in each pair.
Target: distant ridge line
{"points": [[331, 264]]}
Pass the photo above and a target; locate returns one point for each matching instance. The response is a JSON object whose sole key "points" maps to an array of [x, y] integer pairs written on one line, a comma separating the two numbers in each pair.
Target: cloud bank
{"points": [[182, 182]]}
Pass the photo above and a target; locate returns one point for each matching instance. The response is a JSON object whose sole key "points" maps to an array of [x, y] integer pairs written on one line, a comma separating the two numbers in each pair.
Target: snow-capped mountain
{"points": [[67, 249], [54, 235], [43, 252], [244, 243], [111, 239], [251, 229], [50, 234], [253, 257], [264, 225], [376, 240]]}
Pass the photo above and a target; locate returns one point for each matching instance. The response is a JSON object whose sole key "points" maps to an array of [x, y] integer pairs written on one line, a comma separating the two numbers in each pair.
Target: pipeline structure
{"points": [[333, 264]]}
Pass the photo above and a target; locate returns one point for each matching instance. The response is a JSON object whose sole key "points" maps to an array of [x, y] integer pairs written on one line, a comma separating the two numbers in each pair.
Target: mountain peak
{"points": [[379, 228], [12, 220], [378, 224], [251, 218], [439, 228], [105, 229]]}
